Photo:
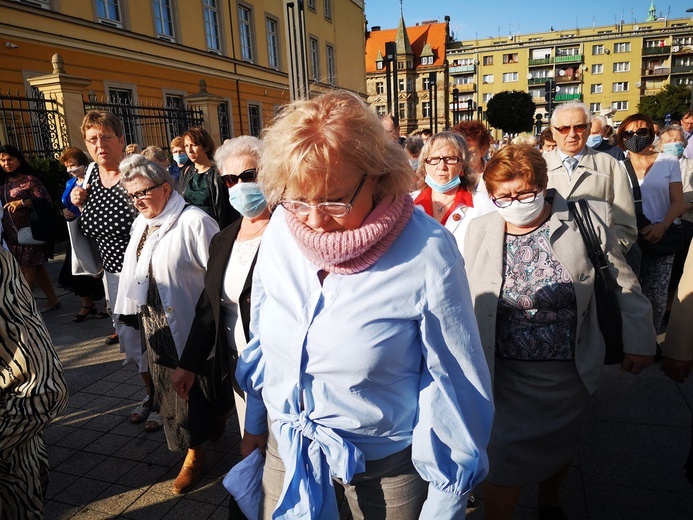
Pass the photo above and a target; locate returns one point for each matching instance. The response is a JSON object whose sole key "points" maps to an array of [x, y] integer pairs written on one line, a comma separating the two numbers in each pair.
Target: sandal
{"points": [[141, 412], [154, 422], [81, 317], [101, 315]]}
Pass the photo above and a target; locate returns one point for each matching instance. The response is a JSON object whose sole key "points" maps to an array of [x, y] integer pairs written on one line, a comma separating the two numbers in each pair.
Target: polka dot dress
{"points": [[107, 218]]}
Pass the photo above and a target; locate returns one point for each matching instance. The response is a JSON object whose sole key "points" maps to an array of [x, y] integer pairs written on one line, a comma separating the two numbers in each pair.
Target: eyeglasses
{"points": [[332, 209], [249, 175], [565, 130], [522, 198], [102, 138], [142, 193], [447, 160], [642, 132]]}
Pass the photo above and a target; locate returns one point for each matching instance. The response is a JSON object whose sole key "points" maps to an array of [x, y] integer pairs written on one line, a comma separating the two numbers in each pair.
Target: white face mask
{"points": [[521, 215]]}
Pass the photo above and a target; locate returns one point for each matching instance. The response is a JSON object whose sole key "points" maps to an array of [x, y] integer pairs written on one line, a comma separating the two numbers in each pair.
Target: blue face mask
{"points": [[443, 188], [247, 199], [180, 158], [594, 140], [673, 149]]}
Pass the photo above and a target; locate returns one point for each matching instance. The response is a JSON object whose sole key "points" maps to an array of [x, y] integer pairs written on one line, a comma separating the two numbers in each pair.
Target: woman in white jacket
{"points": [[162, 278]]}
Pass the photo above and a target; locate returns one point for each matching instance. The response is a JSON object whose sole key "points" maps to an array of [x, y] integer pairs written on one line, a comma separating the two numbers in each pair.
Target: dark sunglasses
{"points": [[565, 130], [642, 132], [249, 175]]}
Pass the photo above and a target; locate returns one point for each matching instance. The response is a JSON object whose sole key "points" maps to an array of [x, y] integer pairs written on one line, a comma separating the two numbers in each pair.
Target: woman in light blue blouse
{"points": [[365, 362]]}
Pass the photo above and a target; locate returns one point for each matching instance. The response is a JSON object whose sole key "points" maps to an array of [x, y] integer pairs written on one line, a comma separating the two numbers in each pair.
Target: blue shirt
{"points": [[69, 186], [365, 365]]}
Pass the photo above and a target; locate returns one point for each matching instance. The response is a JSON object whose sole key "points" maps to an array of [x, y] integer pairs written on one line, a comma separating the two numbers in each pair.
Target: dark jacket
{"points": [[223, 212], [208, 326], [613, 151]]}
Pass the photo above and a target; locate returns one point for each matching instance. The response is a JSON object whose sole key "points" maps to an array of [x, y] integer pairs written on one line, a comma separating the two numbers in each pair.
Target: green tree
{"points": [[511, 111], [673, 99]]}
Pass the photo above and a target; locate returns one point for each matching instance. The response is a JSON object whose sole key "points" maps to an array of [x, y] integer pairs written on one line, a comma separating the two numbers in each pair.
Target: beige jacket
{"points": [[598, 176], [679, 340], [484, 264]]}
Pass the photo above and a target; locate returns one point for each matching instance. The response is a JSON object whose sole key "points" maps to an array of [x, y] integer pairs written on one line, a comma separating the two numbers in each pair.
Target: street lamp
{"points": [[690, 10], [455, 100], [390, 58], [433, 94], [470, 107]]}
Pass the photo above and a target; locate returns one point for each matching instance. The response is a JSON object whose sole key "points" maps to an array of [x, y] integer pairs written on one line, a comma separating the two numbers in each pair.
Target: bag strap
{"points": [[635, 185], [583, 220], [90, 170]]}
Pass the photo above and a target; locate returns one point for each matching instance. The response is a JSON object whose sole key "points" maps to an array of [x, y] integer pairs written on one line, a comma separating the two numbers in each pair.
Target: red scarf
{"points": [[425, 200]]}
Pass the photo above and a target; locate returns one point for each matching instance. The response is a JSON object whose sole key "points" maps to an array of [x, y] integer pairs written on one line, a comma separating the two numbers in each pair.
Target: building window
{"points": [[427, 60], [598, 69], [400, 81], [597, 49], [311, 4], [488, 96], [487, 60], [595, 107], [254, 119], [619, 105], [314, 59], [177, 123], [163, 18], [426, 83], [211, 17], [621, 86], [622, 66], [108, 12], [379, 87], [426, 109], [537, 93], [327, 4], [596, 88], [509, 77], [123, 98], [273, 43], [378, 64], [329, 56], [510, 58], [488, 78], [380, 110], [402, 111], [622, 47], [245, 20]]}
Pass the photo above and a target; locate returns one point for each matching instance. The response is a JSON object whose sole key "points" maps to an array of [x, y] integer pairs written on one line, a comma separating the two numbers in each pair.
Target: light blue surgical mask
{"points": [[443, 188], [414, 163], [673, 149], [180, 158], [594, 140], [247, 199]]}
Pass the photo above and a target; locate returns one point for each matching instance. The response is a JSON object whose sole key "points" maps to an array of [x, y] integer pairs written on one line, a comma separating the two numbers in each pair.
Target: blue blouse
{"points": [[69, 186], [365, 365]]}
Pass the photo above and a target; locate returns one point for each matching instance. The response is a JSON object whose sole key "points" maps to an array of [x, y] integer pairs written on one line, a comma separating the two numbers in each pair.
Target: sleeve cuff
{"points": [[255, 415], [440, 504]]}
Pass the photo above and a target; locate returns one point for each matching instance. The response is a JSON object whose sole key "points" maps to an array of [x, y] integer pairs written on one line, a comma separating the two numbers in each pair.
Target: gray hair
{"points": [[673, 128], [413, 145], [571, 105], [601, 119], [156, 154], [243, 145], [137, 165]]}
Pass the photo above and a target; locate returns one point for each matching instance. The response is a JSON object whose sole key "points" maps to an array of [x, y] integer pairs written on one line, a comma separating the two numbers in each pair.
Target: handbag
{"points": [[608, 310], [25, 236], [86, 259], [672, 240]]}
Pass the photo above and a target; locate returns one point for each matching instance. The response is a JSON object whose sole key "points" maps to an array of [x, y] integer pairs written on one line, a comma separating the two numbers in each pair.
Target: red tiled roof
{"points": [[419, 35]]}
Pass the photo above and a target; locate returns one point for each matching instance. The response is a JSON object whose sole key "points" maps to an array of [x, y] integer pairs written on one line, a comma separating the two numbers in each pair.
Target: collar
{"points": [[425, 200]]}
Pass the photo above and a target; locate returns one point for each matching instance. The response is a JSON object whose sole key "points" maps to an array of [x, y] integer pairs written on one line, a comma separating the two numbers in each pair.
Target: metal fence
{"points": [[149, 124], [32, 124]]}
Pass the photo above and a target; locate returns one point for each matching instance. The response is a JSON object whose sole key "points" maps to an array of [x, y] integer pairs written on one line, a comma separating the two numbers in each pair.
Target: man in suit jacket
{"points": [[597, 142], [578, 172]]}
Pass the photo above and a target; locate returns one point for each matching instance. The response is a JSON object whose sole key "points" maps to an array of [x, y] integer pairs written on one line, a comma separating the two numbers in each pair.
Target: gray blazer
{"points": [[484, 263]]}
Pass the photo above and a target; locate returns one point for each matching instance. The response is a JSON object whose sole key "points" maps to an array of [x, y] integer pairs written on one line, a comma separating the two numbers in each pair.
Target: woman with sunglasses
{"points": [[199, 183], [364, 358], [451, 195], [659, 177], [222, 315], [533, 289], [162, 277]]}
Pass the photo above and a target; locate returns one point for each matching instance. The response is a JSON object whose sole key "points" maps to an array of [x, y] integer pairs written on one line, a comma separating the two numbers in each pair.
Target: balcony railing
{"points": [[653, 51], [572, 78], [540, 61], [537, 81], [568, 97], [656, 71], [464, 87], [650, 91], [459, 69], [577, 58], [681, 68]]}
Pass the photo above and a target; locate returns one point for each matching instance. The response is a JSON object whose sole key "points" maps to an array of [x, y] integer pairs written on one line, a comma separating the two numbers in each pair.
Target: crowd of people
{"points": [[407, 319]]}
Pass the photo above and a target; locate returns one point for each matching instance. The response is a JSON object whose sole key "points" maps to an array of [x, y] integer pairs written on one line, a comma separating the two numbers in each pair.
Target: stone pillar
{"points": [[67, 91], [208, 104]]}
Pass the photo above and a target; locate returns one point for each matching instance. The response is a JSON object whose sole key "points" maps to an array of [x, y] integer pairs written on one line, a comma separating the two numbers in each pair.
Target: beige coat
{"points": [[484, 264], [598, 176], [679, 339]]}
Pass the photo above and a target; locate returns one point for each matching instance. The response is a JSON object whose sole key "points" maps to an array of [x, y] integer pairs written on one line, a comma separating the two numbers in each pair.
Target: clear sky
{"points": [[483, 19]]}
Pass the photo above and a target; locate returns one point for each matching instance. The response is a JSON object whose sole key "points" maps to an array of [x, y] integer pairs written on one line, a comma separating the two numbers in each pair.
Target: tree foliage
{"points": [[511, 111], [673, 99]]}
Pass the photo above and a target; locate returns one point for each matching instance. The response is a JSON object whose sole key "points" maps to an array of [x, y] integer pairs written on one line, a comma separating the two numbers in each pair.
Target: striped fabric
{"points": [[32, 392]]}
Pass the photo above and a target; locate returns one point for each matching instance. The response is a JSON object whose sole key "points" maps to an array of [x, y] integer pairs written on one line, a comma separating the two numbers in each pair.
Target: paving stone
{"points": [[79, 438], [104, 422], [60, 511], [81, 463], [111, 469], [82, 491], [143, 475], [108, 444], [116, 499], [151, 506]]}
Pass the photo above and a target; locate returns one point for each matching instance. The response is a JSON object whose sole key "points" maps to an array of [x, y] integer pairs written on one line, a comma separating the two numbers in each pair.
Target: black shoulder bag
{"points": [[608, 310]]}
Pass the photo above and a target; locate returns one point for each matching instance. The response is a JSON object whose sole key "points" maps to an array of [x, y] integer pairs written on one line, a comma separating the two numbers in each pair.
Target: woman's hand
{"points": [[78, 196], [182, 382], [250, 442], [14, 205], [635, 363], [654, 232], [675, 369], [68, 215]]}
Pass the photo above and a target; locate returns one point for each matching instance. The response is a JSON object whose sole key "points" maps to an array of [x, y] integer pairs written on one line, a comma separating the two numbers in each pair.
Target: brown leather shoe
{"points": [[188, 477]]}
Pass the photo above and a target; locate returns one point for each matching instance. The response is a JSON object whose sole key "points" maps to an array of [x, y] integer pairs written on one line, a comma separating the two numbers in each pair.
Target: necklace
{"points": [[256, 233], [441, 208]]}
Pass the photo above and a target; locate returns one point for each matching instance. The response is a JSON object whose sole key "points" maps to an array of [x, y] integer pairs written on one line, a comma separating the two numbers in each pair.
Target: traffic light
{"points": [[550, 96]]}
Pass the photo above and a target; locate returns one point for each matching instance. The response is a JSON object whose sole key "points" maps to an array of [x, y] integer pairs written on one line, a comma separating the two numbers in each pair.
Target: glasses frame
{"points": [[230, 180], [103, 138], [139, 195], [300, 207], [579, 129], [448, 160], [501, 201], [642, 132]]}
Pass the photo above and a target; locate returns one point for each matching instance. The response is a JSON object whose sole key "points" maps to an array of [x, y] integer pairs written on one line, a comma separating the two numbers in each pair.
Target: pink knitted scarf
{"points": [[354, 250]]}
